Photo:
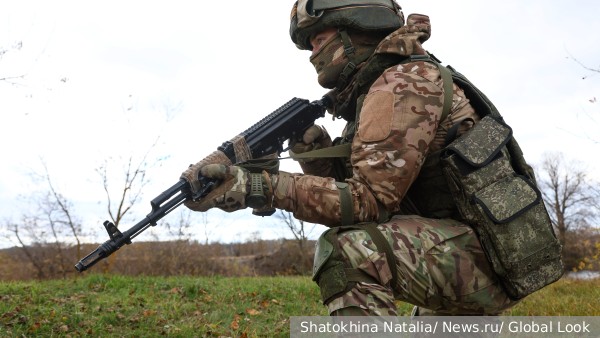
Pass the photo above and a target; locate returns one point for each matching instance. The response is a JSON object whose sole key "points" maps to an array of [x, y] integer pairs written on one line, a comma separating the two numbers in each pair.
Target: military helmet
{"points": [[311, 16]]}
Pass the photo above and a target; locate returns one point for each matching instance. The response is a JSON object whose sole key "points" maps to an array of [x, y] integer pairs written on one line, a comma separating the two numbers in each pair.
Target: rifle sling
{"points": [[342, 150]]}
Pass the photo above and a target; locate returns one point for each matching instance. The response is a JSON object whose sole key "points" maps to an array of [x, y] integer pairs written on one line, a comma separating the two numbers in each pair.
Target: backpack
{"points": [[496, 193]]}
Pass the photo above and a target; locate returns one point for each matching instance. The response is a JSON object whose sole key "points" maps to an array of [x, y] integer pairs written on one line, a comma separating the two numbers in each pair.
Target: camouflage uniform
{"points": [[439, 261], [395, 228]]}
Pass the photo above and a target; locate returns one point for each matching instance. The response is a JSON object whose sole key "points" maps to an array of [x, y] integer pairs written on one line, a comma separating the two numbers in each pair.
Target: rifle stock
{"points": [[265, 137]]}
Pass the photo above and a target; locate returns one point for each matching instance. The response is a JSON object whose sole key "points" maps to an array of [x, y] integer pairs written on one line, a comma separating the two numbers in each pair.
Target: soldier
{"points": [[395, 230]]}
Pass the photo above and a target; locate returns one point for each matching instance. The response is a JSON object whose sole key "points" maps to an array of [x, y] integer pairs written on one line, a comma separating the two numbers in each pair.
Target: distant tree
{"points": [[27, 237], [45, 232], [124, 179], [59, 212], [128, 192], [585, 255], [122, 196], [572, 198], [570, 195], [173, 259], [205, 225], [300, 232]]}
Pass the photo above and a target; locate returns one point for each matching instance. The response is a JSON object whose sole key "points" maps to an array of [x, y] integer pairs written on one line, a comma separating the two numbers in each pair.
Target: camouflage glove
{"points": [[229, 195], [232, 193], [315, 137], [192, 173]]}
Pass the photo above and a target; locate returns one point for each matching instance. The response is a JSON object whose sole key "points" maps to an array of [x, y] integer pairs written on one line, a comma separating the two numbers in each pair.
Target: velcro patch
{"points": [[376, 116]]}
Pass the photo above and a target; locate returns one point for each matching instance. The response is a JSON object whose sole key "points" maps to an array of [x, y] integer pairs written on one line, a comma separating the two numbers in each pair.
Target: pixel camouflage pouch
{"points": [[504, 208]]}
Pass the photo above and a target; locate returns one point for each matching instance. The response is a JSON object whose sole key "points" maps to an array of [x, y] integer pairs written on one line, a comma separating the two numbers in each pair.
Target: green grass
{"points": [[98, 305]]}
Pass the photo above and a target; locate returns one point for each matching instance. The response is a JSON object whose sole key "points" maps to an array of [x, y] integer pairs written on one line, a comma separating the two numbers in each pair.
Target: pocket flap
{"points": [[508, 198], [481, 143]]}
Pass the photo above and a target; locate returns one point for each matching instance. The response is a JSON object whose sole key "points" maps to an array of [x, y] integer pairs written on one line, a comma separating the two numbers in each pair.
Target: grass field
{"points": [[114, 306]]}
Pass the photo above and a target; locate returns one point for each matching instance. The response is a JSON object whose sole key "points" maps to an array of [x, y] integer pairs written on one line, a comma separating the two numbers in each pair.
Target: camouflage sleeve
{"points": [[316, 199], [398, 121]]}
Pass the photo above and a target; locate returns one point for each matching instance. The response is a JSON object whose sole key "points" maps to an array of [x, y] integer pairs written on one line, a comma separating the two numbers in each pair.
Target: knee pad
{"points": [[329, 268]]}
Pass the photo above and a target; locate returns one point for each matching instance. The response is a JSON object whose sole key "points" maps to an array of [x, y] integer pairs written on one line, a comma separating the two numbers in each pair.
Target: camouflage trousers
{"points": [[441, 269]]}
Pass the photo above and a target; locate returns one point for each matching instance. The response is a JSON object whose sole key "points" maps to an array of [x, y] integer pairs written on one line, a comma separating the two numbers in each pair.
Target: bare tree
{"points": [[300, 232], [28, 243], [207, 233], [120, 198], [58, 211], [11, 79], [570, 195], [129, 192], [45, 233]]}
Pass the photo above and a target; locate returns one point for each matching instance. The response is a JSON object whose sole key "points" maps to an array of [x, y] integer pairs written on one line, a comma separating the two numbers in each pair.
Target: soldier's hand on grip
{"points": [[192, 173], [315, 137], [229, 195]]}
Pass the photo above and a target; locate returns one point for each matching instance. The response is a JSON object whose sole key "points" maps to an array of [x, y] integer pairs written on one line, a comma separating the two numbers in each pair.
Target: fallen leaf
{"points": [[235, 324], [35, 326], [148, 313], [252, 312]]}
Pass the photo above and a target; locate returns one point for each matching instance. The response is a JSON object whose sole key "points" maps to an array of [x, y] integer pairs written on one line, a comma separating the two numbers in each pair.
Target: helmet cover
{"points": [[312, 16]]}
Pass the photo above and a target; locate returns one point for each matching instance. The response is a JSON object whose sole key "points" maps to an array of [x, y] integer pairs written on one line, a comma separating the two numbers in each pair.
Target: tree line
{"points": [[40, 251]]}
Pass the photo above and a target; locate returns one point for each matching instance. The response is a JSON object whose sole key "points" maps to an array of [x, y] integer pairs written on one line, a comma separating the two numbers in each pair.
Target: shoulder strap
{"points": [[446, 81], [448, 90]]}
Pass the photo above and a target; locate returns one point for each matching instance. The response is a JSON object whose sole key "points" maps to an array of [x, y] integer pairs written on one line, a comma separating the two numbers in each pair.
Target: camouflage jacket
{"points": [[398, 126]]}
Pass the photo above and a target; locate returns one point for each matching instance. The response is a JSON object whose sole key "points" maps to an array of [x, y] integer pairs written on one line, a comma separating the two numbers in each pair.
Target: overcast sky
{"points": [[102, 80]]}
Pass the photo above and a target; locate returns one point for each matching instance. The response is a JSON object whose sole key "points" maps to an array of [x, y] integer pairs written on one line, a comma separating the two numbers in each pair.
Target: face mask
{"points": [[329, 62]]}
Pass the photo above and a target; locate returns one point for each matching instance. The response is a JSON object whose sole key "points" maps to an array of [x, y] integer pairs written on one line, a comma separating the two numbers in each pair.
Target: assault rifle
{"points": [[265, 137]]}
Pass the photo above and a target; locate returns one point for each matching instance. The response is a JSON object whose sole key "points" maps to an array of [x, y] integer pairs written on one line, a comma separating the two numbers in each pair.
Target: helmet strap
{"points": [[350, 53]]}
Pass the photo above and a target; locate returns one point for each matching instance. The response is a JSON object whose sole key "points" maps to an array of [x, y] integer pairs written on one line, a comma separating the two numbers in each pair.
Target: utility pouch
{"points": [[504, 207]]}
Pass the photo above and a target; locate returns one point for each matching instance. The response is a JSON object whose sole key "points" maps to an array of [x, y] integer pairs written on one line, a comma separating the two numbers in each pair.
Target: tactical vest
{"points": [[428, 195], [488, 186]]}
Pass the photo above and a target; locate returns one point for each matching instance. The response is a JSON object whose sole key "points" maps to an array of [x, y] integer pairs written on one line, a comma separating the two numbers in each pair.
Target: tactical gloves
{"points": [[315, 137], [192, 173], [236, 190]]}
